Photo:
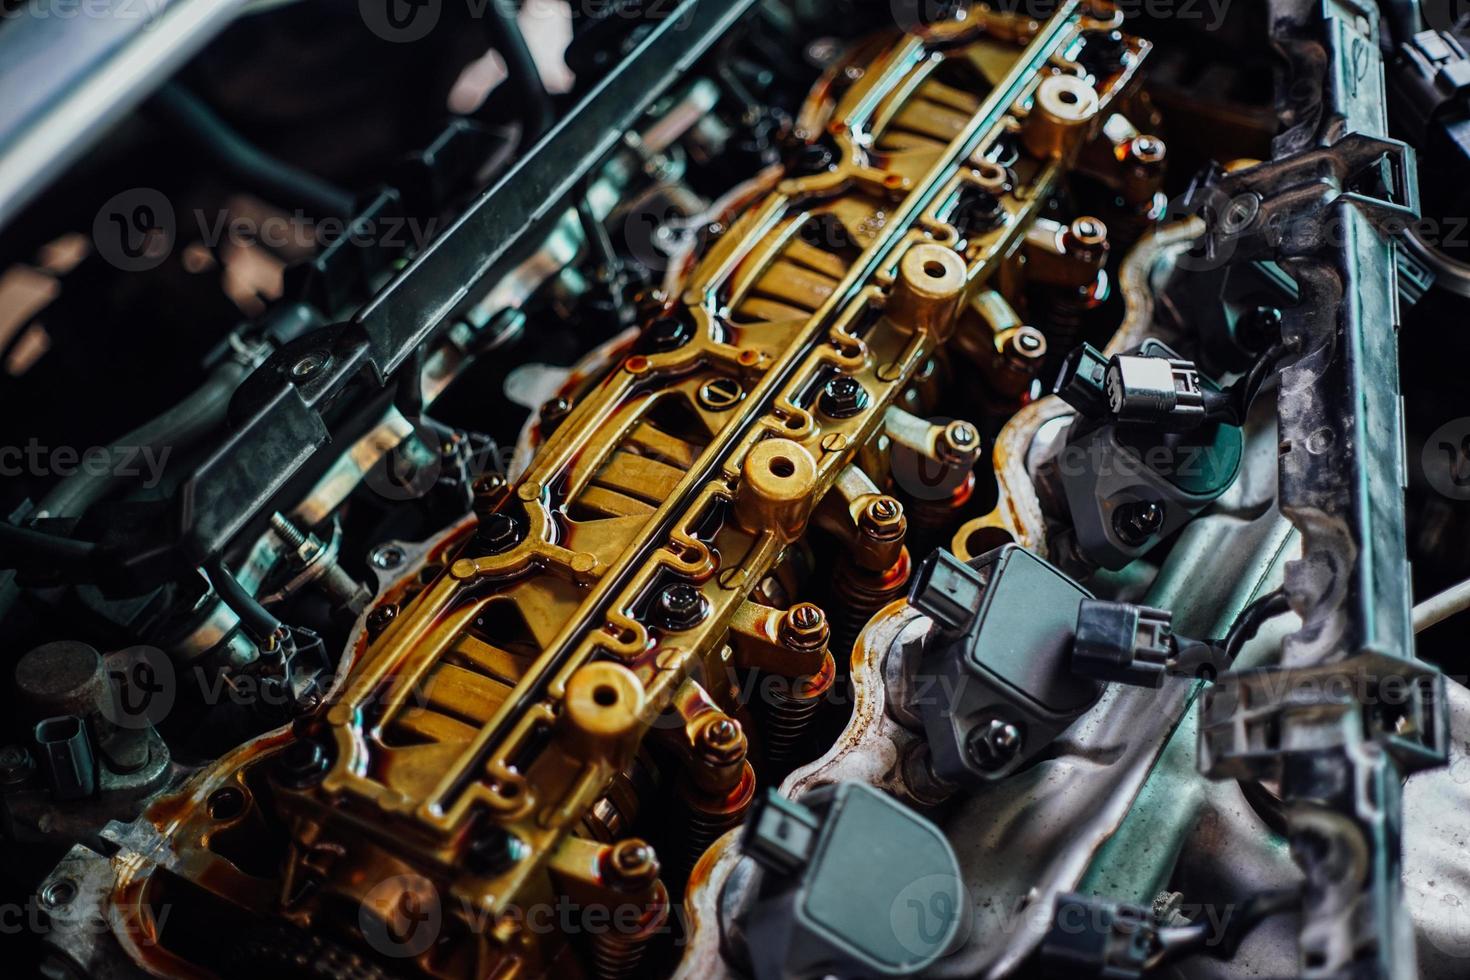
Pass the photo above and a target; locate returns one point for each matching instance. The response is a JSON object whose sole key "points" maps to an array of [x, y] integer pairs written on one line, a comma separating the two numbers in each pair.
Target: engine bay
{"points": [[735, 488]]}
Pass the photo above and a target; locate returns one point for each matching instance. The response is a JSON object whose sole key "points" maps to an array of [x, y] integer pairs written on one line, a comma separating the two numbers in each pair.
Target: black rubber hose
{"points": [[179, 427], [256, 619], [277, 181], [25, 549], [537, 113]]}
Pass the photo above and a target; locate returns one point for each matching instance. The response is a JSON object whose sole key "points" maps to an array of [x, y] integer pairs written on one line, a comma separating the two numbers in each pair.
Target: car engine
{"points": [[734, 488]]}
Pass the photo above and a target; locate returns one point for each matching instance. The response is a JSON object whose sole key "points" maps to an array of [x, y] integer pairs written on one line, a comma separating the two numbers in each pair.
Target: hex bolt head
{"points": [[960, 444], [843, 397], [721, 742], [1148, 150], [883, 519], [665, 334], [804, 627], [631, 865], [811, 159], [303, 764], [553, 413], [1135, 523], [1103, 51], [1086, 238], [977, 212], [380, 617], [994, 744], [493, 851], [498, 534], [681, 607]]}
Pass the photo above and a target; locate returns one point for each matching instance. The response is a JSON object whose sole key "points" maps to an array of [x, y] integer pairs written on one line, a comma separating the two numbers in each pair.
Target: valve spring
{"points": [[709, 821], [790, 711], [861, 593], [1067, 316], [930, 520], [618, 955]]}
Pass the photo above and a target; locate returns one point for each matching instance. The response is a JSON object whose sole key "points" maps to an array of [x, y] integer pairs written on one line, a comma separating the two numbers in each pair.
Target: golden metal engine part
{"points": [[494, 740]]}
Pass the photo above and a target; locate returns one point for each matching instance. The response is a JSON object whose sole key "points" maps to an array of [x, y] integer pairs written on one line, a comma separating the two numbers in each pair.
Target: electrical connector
{"points": [[1118, 641], [1155, 391]]}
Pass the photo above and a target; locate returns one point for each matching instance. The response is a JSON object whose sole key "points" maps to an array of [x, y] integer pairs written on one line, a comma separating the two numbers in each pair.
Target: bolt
{"points": [[681, 607], [960, 444], [1088, 232], [631, 865], [665, 334], [494, 851], [310, 365], [1102, 54], [16, 765], [812, 158], [1024, 350], [994, 744], [303, 764], [380, 617], [294, 537], [498, 533], [1136, 522], [843, 397], [977, 212], [1259, 329], [804, 626], [553, 414], [883, 519], [721, 742], [387, 557], [720, 394], [488, 483], [1148, 150]]}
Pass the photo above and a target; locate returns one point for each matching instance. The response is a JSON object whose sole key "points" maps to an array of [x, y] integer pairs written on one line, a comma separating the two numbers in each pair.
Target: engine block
{"points": [[490, 737]]}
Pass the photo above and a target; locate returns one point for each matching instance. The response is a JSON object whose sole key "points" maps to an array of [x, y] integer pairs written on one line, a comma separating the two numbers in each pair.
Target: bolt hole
{"points": [[986, 539], [1068, 97], [934, 269], [58, 893], [226, 804], [782, 467], [605, 695]]}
